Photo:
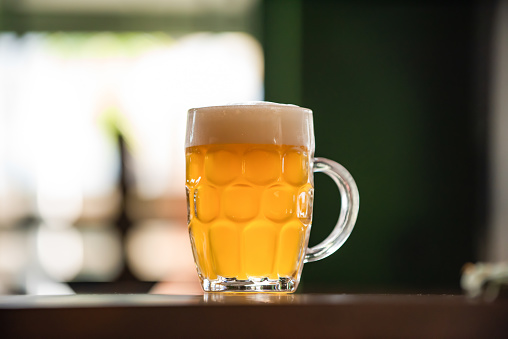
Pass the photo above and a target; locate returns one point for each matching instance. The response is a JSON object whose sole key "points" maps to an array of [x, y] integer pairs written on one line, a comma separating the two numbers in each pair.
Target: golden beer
{"points": [[250, 210], [250, 191]]}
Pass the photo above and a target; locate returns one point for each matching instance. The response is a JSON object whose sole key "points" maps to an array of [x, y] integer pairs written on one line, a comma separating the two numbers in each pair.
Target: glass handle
{"points": [[350, 203]]}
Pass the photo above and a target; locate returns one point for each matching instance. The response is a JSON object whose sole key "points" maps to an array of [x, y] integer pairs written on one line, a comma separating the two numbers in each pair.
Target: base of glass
{"points": [[222, 284]]}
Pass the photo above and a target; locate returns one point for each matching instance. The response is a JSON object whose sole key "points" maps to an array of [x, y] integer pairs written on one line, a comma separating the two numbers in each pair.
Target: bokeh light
{"points": [[92, 130]]}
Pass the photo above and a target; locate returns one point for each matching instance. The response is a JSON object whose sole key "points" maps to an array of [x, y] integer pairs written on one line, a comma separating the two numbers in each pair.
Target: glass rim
{"points": [[268, 104]]}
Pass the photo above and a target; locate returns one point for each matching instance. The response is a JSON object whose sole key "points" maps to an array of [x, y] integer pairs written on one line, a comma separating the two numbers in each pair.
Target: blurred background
{"points": [[410, 96]]}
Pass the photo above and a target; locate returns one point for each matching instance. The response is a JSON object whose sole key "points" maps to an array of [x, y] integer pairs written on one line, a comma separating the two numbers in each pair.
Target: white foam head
{"points": [[258, 122]]}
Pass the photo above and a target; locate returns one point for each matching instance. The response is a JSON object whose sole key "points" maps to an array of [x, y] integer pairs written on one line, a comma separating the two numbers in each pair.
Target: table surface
{"points": [[252, 315]]}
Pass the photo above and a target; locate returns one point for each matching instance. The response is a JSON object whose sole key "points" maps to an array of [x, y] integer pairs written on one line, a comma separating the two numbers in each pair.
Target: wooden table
{"points": [[252, 316]]}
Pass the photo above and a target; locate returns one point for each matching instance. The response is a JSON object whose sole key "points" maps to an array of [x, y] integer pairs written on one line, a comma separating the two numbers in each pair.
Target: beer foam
{"points": [[257, 122]]}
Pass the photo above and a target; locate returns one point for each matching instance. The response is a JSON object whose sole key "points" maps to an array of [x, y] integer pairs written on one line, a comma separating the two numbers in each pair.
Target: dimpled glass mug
{"points": [[250, 191]]}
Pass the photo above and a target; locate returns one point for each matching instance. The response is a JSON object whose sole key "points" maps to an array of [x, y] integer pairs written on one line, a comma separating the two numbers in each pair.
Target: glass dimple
{"points": [[296, 169], [194, 165], [279, 202], [304, 203], [200, 249], [206, 203], [222, 166], [225, 248], [262, 166], [240, 202], [289, 249], [260, 244]]}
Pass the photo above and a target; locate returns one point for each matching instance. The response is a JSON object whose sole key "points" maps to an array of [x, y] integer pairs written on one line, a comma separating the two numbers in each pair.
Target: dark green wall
{"points": [[395, 94]]}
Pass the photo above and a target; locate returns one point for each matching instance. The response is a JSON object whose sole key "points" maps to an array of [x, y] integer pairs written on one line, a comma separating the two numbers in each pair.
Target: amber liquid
{"points": [[250, 210]]}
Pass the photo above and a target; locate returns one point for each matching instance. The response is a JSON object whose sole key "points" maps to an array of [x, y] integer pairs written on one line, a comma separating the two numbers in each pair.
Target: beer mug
{"points": [[250, 188]]}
